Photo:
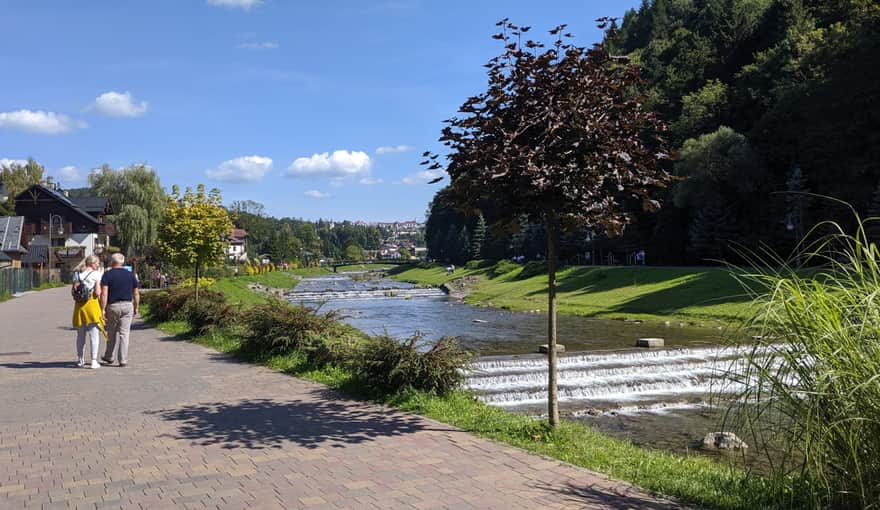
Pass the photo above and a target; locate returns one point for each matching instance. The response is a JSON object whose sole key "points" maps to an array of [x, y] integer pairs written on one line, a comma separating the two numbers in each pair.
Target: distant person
{"points": [[120, 298], [87, 317]]}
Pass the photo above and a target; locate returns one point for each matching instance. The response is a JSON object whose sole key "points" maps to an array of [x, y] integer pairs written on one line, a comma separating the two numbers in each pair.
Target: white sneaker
{"points": [[95, 364], [80, 362]]}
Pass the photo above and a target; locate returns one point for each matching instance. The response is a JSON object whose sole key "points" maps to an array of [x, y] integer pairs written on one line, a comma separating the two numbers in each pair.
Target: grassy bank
{"points": [[651, 293], [693, 479], [236, 288]]}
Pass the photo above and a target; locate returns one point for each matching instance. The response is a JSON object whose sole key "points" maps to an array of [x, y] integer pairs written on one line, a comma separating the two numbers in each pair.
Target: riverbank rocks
{"points": [[256, 287], [544, 348], [459, 288], [723, 441], [650, 343]]}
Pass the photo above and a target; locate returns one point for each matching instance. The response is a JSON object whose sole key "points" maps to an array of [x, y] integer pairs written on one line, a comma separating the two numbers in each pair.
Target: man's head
{"points": [[117, 260]]}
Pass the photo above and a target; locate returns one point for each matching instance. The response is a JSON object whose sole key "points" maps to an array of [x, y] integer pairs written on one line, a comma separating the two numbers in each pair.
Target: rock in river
{"points": [[723, 441]]}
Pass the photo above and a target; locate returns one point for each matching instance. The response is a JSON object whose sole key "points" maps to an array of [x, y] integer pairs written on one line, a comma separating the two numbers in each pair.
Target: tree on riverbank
{"points": [[556, 138], [195, 229]]}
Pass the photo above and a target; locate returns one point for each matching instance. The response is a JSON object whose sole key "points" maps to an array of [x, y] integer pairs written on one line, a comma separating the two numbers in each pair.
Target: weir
{"points": [[652, 379]]}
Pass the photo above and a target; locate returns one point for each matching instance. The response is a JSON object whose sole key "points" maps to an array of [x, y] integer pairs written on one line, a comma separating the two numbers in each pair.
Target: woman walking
{"points": [[87, 314]]}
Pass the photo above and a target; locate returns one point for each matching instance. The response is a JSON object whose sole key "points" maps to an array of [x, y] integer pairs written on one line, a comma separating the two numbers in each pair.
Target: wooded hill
{"points": [[765, 99]]}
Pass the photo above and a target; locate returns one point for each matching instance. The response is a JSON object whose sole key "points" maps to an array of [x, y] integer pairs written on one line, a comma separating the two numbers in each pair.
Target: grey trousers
{"points": [[119, 316]]}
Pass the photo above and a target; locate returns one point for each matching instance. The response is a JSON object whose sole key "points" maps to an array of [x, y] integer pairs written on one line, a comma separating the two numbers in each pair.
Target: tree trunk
{"points": [[552, 243], [197, 282]]}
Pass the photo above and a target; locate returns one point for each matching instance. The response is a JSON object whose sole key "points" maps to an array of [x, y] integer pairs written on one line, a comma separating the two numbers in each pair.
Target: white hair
{"points": [[117, 259]]}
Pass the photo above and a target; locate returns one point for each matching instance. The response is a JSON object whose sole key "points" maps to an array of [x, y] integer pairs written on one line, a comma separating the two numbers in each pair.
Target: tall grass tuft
{"points": [[811, 384]]}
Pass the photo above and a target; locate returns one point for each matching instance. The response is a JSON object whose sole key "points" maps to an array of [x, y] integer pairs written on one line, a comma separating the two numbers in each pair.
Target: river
{"points": [[655, 398]]}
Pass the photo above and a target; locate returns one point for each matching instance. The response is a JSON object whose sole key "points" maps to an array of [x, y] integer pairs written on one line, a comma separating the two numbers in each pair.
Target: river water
{"points": [[656, 398]]}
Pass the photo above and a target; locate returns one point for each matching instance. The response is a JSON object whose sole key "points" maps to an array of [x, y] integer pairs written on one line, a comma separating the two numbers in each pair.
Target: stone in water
{"points": [[723, 441], [649, 342], [544, 348]]}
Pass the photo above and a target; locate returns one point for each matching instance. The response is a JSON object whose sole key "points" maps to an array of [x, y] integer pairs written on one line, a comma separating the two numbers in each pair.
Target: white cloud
{"points": [[242, 169], [118, 104], [69, 174], [313, 193], [340, 164], [253, 45], [5, 162], [391, 149], [423, 177], [236, 4], [370, 180], [47, 123]]}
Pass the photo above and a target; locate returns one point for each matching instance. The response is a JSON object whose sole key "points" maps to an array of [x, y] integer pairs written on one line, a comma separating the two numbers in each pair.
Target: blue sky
{"points": [[314, 108]]}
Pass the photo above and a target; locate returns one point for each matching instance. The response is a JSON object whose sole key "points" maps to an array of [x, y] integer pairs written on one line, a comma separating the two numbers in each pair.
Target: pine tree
{"points": [[462, 246], [478, 238]]}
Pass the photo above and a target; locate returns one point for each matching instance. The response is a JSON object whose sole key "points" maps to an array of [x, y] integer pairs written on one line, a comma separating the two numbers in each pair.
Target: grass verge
{"points": [[692, 479], [236, 287], [649, 293]]}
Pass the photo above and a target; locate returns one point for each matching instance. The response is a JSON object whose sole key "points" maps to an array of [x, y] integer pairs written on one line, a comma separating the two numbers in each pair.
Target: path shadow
{"points": [[40, 364], [267, 423], [591, 496]]}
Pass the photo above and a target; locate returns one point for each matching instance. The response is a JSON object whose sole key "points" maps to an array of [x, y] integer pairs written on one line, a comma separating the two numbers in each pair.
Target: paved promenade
{"points": [[184, 427]]}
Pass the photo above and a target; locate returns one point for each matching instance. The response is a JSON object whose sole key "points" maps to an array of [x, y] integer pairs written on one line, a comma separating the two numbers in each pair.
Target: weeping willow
{"points": [[138, 200]]}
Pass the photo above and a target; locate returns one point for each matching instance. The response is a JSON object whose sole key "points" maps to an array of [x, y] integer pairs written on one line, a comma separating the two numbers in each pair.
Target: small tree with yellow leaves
{"points": [[194, 230]]}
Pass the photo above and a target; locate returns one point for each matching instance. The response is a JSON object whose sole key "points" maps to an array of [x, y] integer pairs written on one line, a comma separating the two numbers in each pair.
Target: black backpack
{"points": [[79, 291]]}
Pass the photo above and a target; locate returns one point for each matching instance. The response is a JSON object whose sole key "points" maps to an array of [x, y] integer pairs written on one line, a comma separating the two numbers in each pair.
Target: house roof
{"points": [[91, 205], [239, 233], [10, 234], [26, 194], [36, 254]]}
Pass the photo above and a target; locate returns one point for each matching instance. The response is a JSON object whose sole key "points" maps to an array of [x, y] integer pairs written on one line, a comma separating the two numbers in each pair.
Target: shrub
{"points": [[387, 365], [210, 312], [167, 305], [479, 264], [812, 381], [533, 268], [279, 328], [503, 267], [204, 281], [217, 272]]}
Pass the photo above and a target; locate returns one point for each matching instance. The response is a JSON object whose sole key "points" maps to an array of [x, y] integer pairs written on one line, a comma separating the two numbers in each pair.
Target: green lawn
{"points": [[653, 293], [237, 291]]}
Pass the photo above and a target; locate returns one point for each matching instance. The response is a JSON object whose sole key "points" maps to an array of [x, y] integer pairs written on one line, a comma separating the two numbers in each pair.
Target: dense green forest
{"points": [[301, 240], [765, 100]]}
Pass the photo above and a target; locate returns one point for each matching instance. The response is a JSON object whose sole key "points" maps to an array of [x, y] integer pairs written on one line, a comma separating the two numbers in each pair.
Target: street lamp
{"points": [[52, 218]]}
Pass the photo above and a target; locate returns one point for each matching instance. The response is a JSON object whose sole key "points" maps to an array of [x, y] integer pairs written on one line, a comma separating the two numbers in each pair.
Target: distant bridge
{"points": [[390, 262]]}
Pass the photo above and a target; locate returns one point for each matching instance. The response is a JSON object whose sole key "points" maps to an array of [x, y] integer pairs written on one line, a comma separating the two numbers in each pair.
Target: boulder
{"points": [[723, 441]]}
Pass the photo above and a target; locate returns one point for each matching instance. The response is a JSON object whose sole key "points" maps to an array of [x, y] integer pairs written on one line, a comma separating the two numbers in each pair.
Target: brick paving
{"points": [[184, 427]]}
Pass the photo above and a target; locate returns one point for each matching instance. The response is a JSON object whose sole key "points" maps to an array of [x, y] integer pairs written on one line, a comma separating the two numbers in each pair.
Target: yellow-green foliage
{"points": [[204, 281], [194, 230]]}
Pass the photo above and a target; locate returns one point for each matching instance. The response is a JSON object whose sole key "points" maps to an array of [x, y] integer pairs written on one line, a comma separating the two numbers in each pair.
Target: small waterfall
{"points": [[652, 377], [365, 294]]}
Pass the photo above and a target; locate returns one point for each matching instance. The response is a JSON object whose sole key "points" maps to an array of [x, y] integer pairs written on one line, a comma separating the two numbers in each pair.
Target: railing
{"points": [[21, 280]]}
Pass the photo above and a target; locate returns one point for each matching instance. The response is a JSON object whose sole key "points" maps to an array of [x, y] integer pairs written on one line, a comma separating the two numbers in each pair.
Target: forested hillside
{"points": [[763, 98]]}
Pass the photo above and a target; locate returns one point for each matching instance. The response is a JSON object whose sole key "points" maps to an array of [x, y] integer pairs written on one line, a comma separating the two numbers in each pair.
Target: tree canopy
{"points": [[559, 138], [138, 202], [194, 229]]}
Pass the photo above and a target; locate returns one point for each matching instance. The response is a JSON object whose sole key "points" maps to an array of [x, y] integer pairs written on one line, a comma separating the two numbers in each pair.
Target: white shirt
{"points": [[90, 278]]}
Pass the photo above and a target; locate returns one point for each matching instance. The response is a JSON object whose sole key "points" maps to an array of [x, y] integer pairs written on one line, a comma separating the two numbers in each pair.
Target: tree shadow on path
{"points": [[267, 423], [592, 496]]}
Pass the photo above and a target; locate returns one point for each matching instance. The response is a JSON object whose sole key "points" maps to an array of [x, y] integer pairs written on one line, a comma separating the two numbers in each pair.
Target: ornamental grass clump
{"points": [[811, 385], [387, 365]]}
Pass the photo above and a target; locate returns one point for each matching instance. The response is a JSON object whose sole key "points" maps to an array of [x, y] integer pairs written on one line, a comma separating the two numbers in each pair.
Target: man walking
{"points": [[120, 298]]}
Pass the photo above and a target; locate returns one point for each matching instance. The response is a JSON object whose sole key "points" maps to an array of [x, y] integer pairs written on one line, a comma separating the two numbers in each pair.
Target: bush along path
{"points": [[425, 380]]}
